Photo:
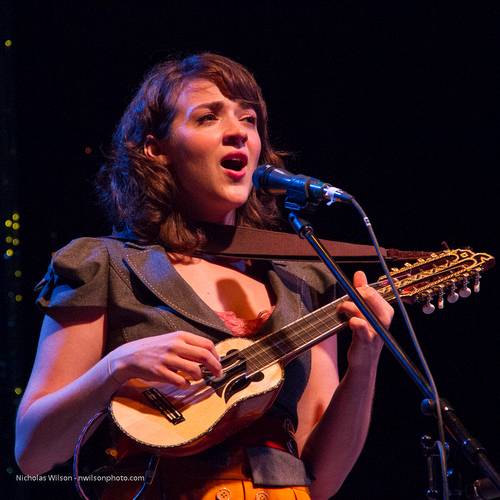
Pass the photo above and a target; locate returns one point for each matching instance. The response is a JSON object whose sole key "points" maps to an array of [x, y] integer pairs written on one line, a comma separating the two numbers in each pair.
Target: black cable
{"points": [[411, 331], [76, 453], [149, 474]]}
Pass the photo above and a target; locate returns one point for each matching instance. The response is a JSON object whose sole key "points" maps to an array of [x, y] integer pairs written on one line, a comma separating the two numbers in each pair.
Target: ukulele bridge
{"points": [[164, 406]]}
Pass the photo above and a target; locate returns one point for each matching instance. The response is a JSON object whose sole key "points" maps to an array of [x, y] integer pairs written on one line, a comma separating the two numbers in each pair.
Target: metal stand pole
{"points": [[466, 443]]}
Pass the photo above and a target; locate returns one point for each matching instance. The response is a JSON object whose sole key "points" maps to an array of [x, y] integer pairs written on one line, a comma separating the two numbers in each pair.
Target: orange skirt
{"points": [[242, 490], [184, 479], [201, 477], [227, 489]]}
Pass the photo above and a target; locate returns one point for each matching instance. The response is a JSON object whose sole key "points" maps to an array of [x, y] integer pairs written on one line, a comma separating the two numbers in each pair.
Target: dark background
{"points": [[395, 102]]}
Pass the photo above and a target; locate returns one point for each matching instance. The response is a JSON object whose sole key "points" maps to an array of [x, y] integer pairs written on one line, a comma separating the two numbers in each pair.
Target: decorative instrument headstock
{"points": [[450, 273]]}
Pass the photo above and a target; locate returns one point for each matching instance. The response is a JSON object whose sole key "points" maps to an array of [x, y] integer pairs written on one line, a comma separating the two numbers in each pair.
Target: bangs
{"points": [[236, 89], [233, 80]]}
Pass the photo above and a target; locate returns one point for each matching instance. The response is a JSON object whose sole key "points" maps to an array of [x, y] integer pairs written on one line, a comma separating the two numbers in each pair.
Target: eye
{"points": [[208, 117], [250, 119]]}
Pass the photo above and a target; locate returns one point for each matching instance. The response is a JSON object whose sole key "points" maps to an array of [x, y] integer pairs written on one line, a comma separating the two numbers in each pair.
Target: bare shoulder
{"points": [[70, 343]]}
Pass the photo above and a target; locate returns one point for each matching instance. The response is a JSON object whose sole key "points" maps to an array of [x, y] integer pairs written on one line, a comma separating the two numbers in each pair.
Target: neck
{"points": [[228, 218]]}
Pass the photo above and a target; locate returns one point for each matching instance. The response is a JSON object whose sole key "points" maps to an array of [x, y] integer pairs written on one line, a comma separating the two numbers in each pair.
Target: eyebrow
{"points": [[218, 105]]}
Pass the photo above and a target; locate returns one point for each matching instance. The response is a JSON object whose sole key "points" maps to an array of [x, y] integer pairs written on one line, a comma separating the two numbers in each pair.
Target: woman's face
{"points": [[213, 148]]}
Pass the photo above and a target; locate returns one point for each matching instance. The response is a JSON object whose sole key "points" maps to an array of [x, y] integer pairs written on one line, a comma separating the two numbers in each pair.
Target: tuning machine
{"points": [[440, 299], [465, 291], [477, 281], [428, 307], [453, 295]]}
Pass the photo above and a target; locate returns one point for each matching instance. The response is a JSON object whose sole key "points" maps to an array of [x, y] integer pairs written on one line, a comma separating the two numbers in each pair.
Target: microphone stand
{"points": [[469, 446]]}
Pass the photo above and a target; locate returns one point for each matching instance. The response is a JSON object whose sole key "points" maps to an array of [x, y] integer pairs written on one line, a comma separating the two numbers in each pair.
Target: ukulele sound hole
{"points": [[241, 383]]}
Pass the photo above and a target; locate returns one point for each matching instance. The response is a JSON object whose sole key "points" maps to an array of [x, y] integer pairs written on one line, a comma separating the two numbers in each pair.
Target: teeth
{"points": [[232, 164]]}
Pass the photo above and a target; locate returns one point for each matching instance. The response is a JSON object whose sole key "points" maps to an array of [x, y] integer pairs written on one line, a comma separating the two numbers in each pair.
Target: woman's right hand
{"points": [[173, 358]]}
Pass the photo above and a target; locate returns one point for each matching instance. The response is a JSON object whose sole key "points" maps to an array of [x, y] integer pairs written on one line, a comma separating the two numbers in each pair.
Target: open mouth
{"points": [[235, 163]]}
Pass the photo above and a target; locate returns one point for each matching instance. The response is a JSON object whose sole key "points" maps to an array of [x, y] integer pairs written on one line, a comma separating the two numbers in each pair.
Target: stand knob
{"points": [[482, 489]]}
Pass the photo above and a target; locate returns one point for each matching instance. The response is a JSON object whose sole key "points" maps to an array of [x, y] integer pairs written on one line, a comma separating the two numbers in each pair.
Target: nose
{"points": [[235, 134]]}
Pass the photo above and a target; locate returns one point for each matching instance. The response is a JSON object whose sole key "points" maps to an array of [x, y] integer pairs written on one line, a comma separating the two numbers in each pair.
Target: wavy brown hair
{"points": [[139, 193]]}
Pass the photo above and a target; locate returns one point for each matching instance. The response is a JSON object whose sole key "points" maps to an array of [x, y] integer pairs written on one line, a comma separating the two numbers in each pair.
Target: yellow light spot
{"points": [[16, 226], [8, 223], [8, 43], [8, 239], [18, 273], [15, 242], [18, 391], [15, 216], [113, 452], [19, 298], [9, 252]]}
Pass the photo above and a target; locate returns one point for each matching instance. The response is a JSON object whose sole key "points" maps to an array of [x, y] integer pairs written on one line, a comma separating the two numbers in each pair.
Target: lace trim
{"points": [[241, 327]]}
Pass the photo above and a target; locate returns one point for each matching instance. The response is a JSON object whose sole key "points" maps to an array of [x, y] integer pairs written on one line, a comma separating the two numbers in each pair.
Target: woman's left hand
{"points": [[366, 344]]}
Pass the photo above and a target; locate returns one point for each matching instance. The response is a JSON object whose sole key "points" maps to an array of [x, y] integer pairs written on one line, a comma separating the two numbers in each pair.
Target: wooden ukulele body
{"points": [[183, 421]]}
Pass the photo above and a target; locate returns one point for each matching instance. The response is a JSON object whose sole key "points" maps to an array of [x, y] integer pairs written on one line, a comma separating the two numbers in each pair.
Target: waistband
{"points": [[265, 453]]}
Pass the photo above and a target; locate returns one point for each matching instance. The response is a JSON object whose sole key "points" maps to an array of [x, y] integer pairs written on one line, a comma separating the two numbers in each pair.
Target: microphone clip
{"points": [[302, 193], [299, 200], [298, 196]]}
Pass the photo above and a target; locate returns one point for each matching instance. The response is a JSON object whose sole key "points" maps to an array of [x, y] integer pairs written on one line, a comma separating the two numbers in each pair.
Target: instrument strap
{"points": [[251, 243]]}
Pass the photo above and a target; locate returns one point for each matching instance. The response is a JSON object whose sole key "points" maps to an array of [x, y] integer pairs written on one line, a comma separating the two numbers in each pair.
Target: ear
{"points": [[154, 150]]}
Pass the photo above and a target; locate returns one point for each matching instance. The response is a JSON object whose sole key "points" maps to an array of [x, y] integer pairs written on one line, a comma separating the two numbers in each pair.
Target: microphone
{"points": [[300, 189]]}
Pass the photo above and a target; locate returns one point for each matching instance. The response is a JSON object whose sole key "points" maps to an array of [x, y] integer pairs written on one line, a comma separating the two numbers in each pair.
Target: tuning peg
{"points": [[428, 307], [453, 295], [465, 291], [477, 282], [440, 300]]}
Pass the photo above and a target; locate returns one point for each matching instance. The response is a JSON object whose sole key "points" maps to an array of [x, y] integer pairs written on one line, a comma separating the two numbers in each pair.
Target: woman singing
{"points": [[147, 303]]}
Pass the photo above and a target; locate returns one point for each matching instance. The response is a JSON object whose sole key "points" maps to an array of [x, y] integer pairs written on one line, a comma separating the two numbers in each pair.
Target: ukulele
{"points": [[172, 421]]}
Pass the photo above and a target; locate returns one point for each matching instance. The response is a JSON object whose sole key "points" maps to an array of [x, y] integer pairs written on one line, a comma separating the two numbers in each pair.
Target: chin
{"points": [[238, 197]]}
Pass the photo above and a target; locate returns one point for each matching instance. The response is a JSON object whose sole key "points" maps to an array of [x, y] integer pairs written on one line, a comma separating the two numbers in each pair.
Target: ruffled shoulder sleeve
{"points": [[77, 277]]}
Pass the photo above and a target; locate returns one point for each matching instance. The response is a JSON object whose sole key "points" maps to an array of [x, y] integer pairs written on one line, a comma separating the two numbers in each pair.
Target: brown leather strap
{"points": [[252, 243]]}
